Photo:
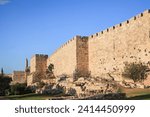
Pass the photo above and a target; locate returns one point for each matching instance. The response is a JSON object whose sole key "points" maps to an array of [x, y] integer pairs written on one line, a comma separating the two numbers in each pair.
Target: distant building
{"points": [[18, 77]]}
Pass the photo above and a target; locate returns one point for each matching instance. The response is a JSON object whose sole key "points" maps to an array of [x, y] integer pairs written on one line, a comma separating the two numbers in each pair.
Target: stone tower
{"points": [[27, 69], [26, 63], [71, 58], [38, 66]]}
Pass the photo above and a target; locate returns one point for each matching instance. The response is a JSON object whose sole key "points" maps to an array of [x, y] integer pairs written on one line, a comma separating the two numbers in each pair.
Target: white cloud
{"points": [[3, 2]]}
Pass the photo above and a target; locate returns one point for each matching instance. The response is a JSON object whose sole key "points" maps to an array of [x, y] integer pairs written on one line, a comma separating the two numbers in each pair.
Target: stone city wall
{"points": [[105, 52], [70, 57], [64, 59], [38, 66], [128, 42], [38, 63]]}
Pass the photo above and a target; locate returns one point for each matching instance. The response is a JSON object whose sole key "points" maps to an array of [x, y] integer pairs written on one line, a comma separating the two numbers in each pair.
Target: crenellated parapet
{"points": [[72, 40], [38, 63], [40, 56], [121, 25]]}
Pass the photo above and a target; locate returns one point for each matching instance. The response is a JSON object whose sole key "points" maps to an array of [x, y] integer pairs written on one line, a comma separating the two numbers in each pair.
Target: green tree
{"points": [[4, 84], [135, 71], [19, 89], [51, 67], [2, 72]]}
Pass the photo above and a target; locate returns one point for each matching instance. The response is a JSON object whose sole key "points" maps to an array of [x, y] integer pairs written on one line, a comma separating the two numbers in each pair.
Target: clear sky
{"points": [[28, 27]]}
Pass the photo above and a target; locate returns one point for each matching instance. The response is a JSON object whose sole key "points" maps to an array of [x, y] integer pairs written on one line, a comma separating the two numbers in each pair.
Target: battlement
{"points": [[40, 56], [15, 72], [70, 41], [73, 39], [38, 63], [120, 25]]}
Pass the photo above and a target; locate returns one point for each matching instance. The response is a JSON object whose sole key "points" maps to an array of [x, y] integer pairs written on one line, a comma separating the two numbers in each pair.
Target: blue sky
{"points": [[28, 27]]}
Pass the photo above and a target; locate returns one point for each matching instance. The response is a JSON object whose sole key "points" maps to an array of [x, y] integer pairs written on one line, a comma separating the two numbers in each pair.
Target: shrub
{"points": [[19, 89], [41, 84], [4, 84], [119, 90], [71, 92], [76, 75], [135, 71], [50, 67], [62, 77]]}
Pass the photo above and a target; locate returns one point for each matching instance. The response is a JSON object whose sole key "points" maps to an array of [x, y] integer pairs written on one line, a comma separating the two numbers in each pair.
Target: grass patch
{"points": [[140, 97], [132, 94], [31, 96], [136, 93]]}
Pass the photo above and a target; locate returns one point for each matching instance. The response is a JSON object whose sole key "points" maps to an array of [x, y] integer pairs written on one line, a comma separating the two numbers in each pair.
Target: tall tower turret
{"points": [[26, 63], [27, 69]]}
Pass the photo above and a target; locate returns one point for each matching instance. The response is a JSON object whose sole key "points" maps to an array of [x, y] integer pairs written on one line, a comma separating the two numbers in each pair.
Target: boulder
{"points": [[138, 85]]}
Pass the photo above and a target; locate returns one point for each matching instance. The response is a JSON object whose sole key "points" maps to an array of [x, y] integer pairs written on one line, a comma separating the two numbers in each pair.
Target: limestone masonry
{"points": [[18, 77], [100, 54]]}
